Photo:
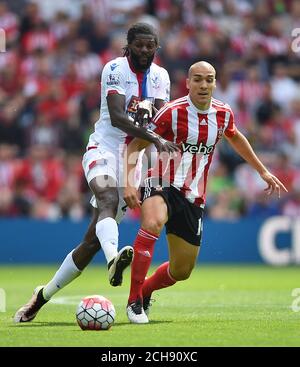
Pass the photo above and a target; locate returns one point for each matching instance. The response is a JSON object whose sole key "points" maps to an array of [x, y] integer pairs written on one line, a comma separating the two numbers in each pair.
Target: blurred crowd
{"points": [[50, 94]]}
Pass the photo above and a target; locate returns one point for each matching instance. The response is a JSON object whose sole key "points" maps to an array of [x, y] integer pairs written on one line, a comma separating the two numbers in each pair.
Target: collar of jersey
{"points": [[141, 76]]}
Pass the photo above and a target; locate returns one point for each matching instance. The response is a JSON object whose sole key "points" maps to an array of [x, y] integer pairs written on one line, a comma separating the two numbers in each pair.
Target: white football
{"points": [[95, 313]]}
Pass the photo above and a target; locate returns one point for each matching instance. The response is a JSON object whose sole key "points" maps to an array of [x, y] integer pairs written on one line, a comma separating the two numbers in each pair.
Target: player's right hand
{"points": [[131, 197], [163, 145]]}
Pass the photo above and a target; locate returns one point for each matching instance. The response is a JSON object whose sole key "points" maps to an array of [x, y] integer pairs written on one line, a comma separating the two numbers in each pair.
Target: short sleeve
{"points": [[112, 79], [162, 123], [230, 130], [163, 91]]}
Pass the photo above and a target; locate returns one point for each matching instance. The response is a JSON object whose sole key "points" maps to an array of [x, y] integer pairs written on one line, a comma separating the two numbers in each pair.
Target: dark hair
{"points": [[139, 28]]}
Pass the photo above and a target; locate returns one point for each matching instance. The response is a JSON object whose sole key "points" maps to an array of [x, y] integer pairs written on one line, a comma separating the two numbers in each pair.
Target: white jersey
{"points": [[119, 77]]}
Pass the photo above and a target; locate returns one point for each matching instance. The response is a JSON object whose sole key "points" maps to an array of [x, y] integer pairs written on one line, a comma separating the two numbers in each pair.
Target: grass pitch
{"points": [[217, 306]]}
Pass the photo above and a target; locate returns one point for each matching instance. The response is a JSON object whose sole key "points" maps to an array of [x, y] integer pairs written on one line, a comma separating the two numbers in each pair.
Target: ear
{"points": [[187, 83]]}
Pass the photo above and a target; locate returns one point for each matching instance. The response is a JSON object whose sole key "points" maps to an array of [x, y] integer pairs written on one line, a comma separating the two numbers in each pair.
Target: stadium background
{"points": [[49, 101]]}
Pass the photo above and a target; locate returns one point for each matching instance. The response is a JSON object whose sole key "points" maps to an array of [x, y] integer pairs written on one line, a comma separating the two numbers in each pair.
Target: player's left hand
{"points": [[144, 113], [274, 184]]}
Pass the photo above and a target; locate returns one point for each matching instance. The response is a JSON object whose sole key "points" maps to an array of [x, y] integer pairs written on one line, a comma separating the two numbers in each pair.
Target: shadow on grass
{"points": [[120, 324], [72, 324], [39, 324]]}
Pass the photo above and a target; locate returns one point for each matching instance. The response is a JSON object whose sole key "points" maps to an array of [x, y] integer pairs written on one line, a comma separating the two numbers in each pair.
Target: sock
{"points": [[160, 279], [108, 234], [67, 272], [143, 251]]}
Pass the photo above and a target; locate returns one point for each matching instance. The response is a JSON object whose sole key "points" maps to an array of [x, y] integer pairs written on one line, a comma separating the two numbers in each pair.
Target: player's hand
{"points": [[163, 145], [131, 197], [144, 113], [273, 183]]}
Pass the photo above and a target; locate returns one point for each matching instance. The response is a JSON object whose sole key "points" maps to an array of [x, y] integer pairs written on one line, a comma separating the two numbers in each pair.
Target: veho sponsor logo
{"points": [[196, 149]]}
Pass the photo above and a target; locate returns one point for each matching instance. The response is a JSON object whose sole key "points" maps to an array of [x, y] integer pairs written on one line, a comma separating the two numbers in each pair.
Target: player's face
{"points": [[201, 84], [142, 50]]}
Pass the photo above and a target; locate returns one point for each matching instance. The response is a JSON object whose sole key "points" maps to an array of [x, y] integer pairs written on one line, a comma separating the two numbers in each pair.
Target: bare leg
{"points": [[86, 250]]}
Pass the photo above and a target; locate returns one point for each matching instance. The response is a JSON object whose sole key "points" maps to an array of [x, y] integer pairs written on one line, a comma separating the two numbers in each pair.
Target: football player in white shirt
{"points": [[132, 89]]}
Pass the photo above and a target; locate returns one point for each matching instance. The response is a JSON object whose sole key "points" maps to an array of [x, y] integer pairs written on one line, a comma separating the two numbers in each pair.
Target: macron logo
{"points": [[113, 66]]}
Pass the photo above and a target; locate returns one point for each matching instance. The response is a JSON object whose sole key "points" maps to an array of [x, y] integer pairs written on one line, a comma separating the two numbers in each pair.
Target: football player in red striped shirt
{"points": [[173, 194]]}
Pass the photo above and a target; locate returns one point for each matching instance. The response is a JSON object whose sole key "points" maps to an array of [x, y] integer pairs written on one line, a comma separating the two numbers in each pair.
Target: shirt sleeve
{"points": [[163, 91], [231, 129], [112, 79], [162, 123]]}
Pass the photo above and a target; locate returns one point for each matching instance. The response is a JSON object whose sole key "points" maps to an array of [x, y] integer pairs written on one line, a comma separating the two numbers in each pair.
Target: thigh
{"points": [[182, 254]]}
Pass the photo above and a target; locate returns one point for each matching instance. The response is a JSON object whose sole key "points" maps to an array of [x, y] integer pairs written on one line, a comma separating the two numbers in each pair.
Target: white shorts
{"points": [[99, 162]]}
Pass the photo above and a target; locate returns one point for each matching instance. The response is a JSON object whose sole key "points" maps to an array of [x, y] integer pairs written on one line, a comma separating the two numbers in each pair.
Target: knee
{"points": [[154, 226], [107, 199], [181, 273]]}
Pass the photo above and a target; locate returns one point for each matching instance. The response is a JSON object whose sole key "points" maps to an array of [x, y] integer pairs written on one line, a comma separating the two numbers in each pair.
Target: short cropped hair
{"points": [[139, 28]]}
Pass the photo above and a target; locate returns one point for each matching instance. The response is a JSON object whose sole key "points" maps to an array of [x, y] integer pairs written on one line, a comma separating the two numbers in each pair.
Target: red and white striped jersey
{"points": [[198, 131]]}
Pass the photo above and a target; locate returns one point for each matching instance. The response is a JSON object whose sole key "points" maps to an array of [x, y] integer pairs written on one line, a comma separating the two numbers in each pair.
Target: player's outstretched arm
{"points": [[119, 119], [242, 146], [131, 154]]}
